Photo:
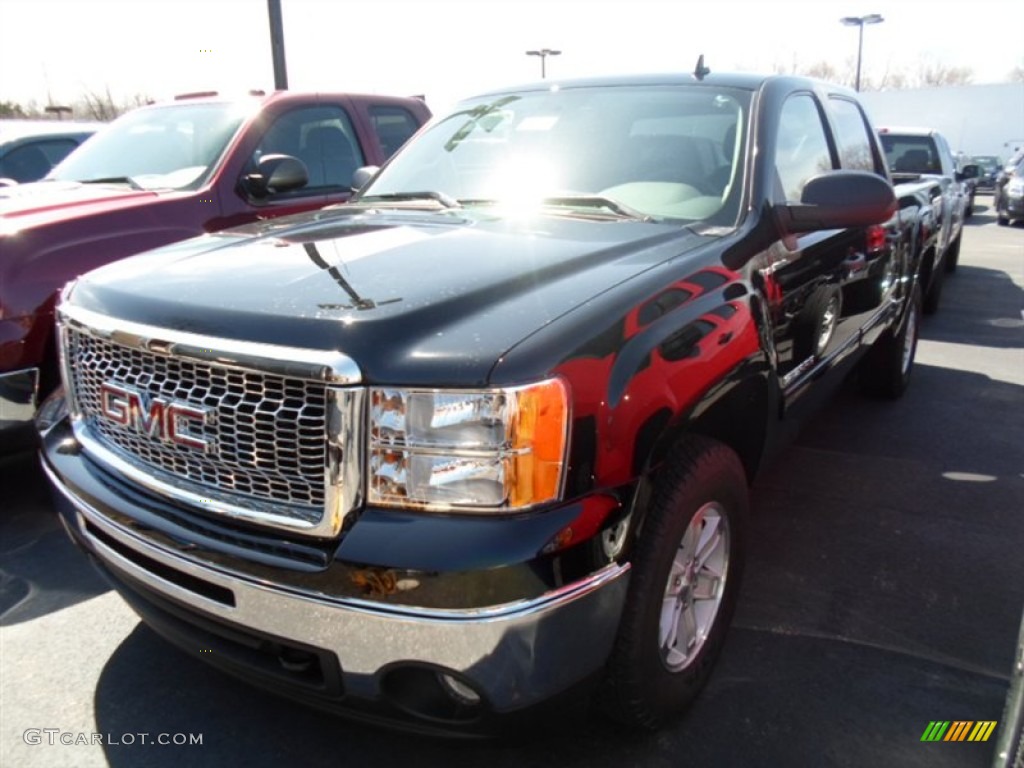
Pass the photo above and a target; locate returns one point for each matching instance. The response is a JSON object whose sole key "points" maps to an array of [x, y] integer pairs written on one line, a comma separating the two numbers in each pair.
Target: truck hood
{"points": [[25, 206], [413, 297]]}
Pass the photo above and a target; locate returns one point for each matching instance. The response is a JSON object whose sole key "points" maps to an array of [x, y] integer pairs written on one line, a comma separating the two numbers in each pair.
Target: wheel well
{"points": [[49, 367], [734, 412]]}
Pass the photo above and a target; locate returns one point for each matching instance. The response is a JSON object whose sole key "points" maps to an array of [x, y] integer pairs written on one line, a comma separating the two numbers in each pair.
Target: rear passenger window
{"points": [[802, 150], [393, 126], [852, 135]]}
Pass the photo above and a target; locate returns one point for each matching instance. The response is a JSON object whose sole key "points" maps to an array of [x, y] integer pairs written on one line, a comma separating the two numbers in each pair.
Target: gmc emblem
{"points": [[164, 420]]}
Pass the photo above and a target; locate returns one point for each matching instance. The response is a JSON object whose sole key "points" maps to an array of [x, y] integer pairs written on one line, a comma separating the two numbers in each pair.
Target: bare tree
{"points": [[780, 67], [930, 73], [9, 109], [892, 81], [101, 106], [821, 70], [933, 73]]}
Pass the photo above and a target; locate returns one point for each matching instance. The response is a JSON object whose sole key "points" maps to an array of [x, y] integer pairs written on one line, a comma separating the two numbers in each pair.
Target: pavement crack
{"points": [[932, 657]]}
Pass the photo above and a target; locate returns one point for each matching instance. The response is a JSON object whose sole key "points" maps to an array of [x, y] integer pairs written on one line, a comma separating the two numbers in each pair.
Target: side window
{"points": [[323, 139], [853, 137], [393, 126], [802, 149], [31, 162]]}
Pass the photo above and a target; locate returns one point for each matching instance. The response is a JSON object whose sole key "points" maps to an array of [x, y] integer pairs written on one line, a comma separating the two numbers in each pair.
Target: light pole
{"points": [[543, 53], [277, 45], [859, 22]]}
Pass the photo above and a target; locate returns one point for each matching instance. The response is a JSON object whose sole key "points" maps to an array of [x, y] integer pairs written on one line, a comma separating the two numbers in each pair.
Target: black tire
{"points": [[703, 483], [885, 370], [814, 326], [1002, 220], [934, 294], [953, 254]]}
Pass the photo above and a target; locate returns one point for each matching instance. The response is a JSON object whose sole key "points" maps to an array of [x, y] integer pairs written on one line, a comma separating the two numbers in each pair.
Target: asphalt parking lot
{"points": [[884, 591]]}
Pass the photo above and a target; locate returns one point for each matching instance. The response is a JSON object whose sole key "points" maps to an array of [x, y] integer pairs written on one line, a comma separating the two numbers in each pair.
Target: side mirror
{"points": [[969, 171], [275, 174], [839, 199], [362, 176]]}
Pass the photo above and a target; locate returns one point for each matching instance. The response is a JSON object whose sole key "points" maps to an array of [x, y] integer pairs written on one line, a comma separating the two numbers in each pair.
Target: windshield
{"points": [[167, 147], [986, 163], [911, 154], [656, 151]]}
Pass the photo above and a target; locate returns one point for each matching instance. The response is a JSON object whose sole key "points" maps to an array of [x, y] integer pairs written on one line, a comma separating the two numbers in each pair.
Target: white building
{"points": [[975, 119]]}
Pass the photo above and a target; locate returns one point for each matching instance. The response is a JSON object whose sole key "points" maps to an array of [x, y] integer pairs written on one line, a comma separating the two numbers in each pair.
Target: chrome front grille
{"points": [[266, 433], [263, 433]]}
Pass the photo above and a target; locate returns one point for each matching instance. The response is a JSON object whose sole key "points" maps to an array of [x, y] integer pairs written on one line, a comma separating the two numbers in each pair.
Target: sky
{"points": [[56, 50]]}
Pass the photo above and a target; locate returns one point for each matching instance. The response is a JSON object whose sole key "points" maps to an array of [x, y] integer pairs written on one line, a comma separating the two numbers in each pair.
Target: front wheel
{"points": [[686, 570]]}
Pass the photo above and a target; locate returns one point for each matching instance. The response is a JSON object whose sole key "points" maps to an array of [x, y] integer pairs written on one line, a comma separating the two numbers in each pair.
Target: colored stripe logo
{"points": [[959, 730]]}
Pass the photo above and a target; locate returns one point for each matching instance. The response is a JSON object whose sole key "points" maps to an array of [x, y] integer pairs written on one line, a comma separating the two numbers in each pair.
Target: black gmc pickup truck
{"points": [[479, 442]]}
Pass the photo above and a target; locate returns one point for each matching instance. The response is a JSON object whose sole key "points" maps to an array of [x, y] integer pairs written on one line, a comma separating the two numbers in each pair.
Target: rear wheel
{"points": [[885, 370], [953, 254], [686, 569], [814, 326], [934, 294]]}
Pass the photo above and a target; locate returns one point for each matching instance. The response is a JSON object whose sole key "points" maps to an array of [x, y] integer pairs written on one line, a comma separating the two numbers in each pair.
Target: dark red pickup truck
{"points": [[165, 173]]}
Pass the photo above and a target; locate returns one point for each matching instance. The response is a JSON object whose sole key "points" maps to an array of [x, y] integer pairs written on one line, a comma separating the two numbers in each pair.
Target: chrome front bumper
{"points": [[514, 655], [18, 393]]}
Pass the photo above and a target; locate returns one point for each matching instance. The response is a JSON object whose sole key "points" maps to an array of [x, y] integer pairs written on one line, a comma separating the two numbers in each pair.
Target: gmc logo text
{"points": [[161, 419]]}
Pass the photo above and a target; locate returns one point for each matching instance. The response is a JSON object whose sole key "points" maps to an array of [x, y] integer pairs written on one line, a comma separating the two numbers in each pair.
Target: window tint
{"points": [[910, 154], [323, 139], [393, 126], [852, 136], [31, 162], [802, 150]]}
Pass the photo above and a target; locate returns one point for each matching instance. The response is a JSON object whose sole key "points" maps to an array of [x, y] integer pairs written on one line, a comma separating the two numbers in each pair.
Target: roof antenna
{"points": [[700, 71]]}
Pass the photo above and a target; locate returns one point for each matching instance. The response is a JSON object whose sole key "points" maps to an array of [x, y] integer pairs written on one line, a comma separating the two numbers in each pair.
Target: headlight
{"points": [[490, 450], [1015, 187]]}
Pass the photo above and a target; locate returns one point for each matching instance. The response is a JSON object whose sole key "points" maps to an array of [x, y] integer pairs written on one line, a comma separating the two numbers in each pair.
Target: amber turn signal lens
{"points": [[539, 432]]}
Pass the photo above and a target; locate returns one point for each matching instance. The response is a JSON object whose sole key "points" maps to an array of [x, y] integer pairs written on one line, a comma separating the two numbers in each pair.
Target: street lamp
{"points": [[543, 53], [59, 111], [859, 22]]}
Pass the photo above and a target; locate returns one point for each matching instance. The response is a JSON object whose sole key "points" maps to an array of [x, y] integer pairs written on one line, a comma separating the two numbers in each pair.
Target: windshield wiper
{"points": [[115, 180], [577, 201], [596, 201], [398, 197]]}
